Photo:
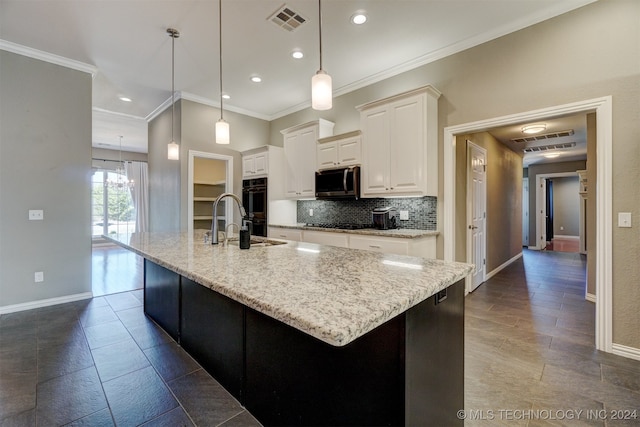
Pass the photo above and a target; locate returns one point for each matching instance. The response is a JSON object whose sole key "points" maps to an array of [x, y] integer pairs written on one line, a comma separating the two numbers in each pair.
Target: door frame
{"points": [[604, 208], [469, 281], [540, 202], [228, 183]]}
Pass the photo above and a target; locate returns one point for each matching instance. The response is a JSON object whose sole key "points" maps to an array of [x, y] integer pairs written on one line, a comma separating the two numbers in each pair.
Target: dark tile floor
{"points": [[101, 362], [528, 347]]}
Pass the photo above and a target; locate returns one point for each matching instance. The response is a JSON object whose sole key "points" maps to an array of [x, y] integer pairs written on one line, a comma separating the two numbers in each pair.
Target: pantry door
{"points": [[476, 213]]}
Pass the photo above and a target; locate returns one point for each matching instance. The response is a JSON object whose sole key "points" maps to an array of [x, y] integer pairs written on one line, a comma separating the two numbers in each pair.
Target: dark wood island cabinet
{"points": [[394, 367]]}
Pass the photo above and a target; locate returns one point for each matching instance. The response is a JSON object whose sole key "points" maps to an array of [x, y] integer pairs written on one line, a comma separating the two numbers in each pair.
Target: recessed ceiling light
{"points": [[256, 79], [124, 98], [358, 18], [534, 128], [297, 54], [551, 155], [226, 96]]}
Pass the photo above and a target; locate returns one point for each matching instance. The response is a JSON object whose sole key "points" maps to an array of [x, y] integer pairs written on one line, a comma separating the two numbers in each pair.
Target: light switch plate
{"points": [[38, 277], [624, 219], [36, 215], [404, 215]]}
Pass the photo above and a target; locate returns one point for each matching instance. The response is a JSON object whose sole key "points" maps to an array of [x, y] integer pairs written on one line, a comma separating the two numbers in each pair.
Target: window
{"points": [[112, 210]]}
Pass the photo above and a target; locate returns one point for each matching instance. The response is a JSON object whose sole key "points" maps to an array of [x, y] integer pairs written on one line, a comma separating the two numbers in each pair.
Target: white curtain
{"points": [[138, 172]]}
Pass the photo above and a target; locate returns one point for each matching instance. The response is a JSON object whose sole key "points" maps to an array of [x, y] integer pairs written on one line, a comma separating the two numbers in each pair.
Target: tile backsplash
{"points": [[422, 211]]}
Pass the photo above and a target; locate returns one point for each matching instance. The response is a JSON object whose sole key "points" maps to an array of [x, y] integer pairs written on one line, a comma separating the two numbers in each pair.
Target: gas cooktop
{"points": [[343, 226]]}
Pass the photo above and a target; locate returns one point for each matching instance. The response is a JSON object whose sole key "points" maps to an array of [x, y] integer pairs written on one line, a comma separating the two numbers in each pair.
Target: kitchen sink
{"points": [[257, 242]]}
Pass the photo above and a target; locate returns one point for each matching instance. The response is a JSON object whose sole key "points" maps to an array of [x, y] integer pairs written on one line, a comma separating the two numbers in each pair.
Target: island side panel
{"points": [[435, 360], [213, 334], [295, 379], [162, 297]]}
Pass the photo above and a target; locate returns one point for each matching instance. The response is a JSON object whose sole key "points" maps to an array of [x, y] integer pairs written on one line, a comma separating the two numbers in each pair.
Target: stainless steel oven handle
{"points": [[344, 180]]}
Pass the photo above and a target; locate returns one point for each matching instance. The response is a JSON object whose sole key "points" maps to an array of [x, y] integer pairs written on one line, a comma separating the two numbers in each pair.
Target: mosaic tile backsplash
{"points": [[422, 211]]}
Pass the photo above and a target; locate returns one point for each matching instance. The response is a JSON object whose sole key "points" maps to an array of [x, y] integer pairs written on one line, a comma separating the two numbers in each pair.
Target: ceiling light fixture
{"points": [[173, 149], [358, 18], [551, 155], [124, 99], [534, 128], [222, 127], [297, 54], [256, 79], [321, 81], [120, 180], [226, 96]]}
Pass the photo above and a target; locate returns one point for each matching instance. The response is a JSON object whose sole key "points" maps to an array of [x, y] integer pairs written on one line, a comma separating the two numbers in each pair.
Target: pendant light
{"points": [[222, 127], [120, 181], [173, 149], [321, 81]]}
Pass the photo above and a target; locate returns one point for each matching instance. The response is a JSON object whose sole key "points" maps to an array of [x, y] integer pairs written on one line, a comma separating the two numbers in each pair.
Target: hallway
{"points": [[529, 346]]}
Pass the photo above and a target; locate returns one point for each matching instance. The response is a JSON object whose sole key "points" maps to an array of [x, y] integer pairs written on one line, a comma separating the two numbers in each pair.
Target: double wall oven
{"points": [[254, 200]]}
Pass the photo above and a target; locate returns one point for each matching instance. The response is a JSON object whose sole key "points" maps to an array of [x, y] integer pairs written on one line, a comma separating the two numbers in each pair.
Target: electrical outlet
{"points": [[36, 214], [38, 276], [404, 215], [310, 212]]}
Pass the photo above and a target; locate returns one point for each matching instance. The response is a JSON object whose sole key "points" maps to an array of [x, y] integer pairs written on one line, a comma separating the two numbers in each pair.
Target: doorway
{"points": [[602, 107], [559, 214], [210, 175]]}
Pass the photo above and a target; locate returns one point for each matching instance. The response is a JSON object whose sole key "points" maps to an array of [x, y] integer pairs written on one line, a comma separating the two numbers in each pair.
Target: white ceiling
{"points": [[127, 43]]}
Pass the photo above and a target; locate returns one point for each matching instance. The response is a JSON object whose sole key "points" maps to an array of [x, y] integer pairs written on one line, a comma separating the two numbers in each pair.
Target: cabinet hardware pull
{"points": [[375, 246]]}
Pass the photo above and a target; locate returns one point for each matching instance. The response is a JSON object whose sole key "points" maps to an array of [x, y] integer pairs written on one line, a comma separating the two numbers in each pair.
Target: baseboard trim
{"points": [[44, 302], [502, 267], [533, 248], [624, 351], [590, 297]]}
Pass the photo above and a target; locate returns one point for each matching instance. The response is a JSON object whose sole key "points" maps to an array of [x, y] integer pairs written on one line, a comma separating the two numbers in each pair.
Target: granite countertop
{"points": [[334, 294], [403, 233]]}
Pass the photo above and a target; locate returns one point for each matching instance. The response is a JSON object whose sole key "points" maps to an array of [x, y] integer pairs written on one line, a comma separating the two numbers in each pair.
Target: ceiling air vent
{"points": [[286, 18], [544, 136], [549, 147]]}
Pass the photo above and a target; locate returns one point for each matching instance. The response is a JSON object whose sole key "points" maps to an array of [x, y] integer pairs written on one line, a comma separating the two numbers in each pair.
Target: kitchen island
{"points": [[305, 334]]}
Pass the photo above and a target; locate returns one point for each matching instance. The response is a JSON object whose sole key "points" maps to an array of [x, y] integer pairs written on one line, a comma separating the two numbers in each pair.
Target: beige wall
{"points": [[45, 163], [504, 199], [584, 54]]}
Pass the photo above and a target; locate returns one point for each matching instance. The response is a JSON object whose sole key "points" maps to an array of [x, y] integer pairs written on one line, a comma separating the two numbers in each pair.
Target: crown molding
{"points": [[48, 57]]}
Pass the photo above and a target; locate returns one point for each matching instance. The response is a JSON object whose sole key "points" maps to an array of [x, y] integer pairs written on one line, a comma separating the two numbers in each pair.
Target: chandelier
{"points": [[120, 181]]}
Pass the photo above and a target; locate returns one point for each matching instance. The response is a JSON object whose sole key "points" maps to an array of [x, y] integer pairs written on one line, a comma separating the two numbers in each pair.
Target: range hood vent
{"points": [[549, 147], [287, 18], [541, 137]]}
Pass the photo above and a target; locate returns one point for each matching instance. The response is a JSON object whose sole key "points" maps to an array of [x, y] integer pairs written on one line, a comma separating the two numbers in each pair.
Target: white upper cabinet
{"points": [[339, 151], [400, 144], [300, 157], [255, 163]]}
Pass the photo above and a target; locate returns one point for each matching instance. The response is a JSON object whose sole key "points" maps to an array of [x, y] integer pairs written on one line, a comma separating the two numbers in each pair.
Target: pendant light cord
{"points": [[220, 49], [173, 91], [320, 29]]}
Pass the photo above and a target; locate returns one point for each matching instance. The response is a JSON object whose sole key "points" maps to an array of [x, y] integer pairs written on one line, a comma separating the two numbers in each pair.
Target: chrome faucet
{"points": [[214, 224]]}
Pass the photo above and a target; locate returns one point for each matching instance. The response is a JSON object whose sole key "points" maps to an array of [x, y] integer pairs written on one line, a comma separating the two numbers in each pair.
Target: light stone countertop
{"points": [[334, 294], [402, 233]]}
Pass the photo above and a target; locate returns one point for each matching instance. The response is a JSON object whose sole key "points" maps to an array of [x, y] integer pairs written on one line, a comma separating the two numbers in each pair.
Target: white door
{"points": [[525, 212], [542, 218], [477, 201]]}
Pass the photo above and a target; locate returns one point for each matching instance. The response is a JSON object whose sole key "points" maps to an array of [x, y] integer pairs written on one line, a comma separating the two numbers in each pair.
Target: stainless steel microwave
{"points": [[335, 184]]}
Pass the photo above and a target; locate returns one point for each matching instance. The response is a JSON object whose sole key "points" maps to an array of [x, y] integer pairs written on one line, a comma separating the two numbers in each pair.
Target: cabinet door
{"points": [[261, 163], [291, 155], [248, 166], [306, 159], [327, 155], [349, 152], [407, 166], [375, 150]]}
